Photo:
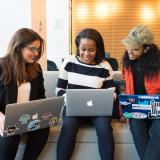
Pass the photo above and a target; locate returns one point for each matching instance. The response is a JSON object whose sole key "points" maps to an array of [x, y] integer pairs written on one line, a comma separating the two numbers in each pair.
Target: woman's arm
{"points": [[2, 117], [63, 79]]}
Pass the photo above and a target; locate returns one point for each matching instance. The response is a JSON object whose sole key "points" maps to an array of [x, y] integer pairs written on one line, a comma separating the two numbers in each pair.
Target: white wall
{"points": [[57, 21], [14, 14]]}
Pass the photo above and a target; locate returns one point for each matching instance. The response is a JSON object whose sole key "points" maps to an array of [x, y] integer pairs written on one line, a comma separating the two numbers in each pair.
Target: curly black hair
{"points": [[150, 61]]}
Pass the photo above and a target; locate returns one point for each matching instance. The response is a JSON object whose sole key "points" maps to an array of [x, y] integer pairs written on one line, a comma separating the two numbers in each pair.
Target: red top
{"points": [[152, 86]]}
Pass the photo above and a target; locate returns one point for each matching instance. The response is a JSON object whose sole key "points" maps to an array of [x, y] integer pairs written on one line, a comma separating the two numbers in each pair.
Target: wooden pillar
{"points": [[38, 14]]}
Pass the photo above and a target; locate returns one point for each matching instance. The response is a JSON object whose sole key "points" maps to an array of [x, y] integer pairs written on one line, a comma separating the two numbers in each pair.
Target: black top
{"points": [[138, 77], [8, 93]]}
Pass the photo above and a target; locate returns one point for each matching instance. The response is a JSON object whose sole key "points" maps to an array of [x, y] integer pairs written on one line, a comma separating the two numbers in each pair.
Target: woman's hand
{"points": [[115, 95], [2, 117]]}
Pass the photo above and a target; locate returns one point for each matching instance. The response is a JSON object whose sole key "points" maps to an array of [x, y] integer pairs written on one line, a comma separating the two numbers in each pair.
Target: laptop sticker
{"points": [[24, 118], [11, 130], [53, 121], [33, 125], [47, 115], [35, 116], [155, 110]]}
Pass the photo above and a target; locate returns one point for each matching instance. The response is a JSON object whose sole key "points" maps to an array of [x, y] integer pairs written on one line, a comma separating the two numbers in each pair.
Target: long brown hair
{"points": [[13, 65]]}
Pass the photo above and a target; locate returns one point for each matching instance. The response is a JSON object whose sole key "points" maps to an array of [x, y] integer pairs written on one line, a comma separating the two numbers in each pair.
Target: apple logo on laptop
{"points": [[90, 103]]}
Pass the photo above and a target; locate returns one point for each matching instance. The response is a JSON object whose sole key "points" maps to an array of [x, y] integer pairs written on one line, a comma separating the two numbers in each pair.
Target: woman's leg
{"points": [[140, 132], [105, 136], [66, 141], [9, 147], [152, 151], [35, 144]]}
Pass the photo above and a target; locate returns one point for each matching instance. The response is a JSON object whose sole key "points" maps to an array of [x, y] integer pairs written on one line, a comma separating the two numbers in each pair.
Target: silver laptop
{"points": [[32, 115], [89, 102]]}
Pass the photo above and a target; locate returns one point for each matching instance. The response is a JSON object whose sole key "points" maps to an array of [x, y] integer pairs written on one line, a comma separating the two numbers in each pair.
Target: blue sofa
{"points": [[86, 142]]}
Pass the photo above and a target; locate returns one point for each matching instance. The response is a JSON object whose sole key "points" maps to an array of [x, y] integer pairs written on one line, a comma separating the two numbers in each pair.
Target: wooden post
{"points": [[38, 14]]}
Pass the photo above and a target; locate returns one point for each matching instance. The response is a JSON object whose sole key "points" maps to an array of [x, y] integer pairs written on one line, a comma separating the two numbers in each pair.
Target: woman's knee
{"points": [[70, 125]]}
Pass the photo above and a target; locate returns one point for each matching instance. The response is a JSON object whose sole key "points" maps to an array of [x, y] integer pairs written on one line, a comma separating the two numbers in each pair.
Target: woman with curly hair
{"points": [[141, 68]]}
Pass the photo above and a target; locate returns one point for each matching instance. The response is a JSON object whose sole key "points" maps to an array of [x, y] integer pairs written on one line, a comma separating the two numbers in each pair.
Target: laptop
{"points": [[89, 102], [140, 106], [31, 115]]}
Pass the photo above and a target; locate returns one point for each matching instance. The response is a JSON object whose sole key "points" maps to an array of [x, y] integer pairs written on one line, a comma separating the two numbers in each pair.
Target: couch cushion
{"points": [[50, 82]]}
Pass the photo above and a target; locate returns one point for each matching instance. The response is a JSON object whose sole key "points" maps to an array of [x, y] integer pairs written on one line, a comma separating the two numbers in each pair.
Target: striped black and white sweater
{"points": [[77, 75]]}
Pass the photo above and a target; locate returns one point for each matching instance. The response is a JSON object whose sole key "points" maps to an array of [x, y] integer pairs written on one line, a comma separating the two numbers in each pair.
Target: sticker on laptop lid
{"points": [[139, 115], [35, 116], [11, 130], [127, 115], [155, 110], [53, 121], [24, 118], [124, 103], [46, 115], [34, 125]]}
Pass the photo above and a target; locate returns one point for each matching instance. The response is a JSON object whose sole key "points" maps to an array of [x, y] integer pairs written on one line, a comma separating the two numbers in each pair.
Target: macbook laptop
{"points": [[140, 106], [89, 102], [31, 115]]}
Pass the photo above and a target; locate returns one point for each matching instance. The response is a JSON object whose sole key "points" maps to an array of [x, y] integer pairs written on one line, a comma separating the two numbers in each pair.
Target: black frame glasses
{"points": [[33, 49]]}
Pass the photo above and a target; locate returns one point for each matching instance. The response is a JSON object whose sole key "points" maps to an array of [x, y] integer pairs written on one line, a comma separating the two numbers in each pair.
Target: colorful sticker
{"points": [[24, 118], [139, 115], [34, 125], [155, 110], [11, 130], [35, 116], [127, 115], [53, 121], [47, 115]]}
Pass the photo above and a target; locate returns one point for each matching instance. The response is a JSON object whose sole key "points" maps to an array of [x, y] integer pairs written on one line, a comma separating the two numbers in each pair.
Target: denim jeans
{"points": [[66, 142], [146, 135]]}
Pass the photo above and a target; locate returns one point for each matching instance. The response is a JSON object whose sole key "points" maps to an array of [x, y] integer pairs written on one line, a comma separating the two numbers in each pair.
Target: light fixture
{"points": [[82, 11], [102, 9], [147, 13]]}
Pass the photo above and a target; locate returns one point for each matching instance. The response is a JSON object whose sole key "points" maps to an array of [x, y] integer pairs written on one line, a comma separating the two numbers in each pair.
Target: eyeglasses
{"points": [[33, 49]]}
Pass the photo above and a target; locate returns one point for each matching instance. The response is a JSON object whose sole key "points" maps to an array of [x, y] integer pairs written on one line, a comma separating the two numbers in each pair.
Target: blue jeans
{"points": [[146, 135], [66, 142]]}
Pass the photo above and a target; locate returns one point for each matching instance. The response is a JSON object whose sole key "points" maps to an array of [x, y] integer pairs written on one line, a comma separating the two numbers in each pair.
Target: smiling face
{"points": [[30, 52], [87, 51], [135, 53]]}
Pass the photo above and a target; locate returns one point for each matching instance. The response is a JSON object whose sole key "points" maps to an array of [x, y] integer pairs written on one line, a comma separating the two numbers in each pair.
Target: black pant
{"points": [[146, 135], [66, 142], [35, 144]]}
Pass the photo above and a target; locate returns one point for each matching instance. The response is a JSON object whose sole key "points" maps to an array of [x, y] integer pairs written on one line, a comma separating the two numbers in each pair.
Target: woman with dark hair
{"points": [[141, 67], [89, 63], [21, 80]]}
